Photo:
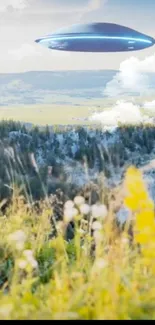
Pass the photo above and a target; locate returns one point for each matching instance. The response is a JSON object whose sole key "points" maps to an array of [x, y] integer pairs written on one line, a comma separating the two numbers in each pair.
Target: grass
{"points": [[63, 114], [103, 273], [47, 114]]}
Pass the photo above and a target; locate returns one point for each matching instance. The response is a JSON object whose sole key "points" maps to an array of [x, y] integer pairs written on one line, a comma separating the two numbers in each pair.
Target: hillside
{"points": [[45, 86], [71, 159], [58, 87]]}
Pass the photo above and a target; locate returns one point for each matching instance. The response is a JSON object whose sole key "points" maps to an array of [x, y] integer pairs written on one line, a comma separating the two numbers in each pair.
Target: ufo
{"points": [[97, 37]]}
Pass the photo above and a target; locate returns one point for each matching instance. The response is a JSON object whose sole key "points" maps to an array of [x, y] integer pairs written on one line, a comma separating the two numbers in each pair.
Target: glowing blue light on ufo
{"points": [[64, 38]]}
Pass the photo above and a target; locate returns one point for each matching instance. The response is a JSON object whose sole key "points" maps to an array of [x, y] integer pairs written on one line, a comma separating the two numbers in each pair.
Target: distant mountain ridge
{"points": [[55, 80], [49, 87], [36, 87]]}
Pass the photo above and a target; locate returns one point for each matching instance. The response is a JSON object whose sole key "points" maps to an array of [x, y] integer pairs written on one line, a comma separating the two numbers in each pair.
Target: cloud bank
{"points": [[93, 5], [11, 5], [132, 77], [123, 112], [150, 107], [26, 50]]}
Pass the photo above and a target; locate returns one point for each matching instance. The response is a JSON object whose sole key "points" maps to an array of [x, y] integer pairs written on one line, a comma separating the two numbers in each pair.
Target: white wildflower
{"points": [[22, 264], [69, 214], [100, 264], [6, 309], [19, 238], [96, 225], [69, 204], [30, 258], [99, 211], [34, 263], [28, 253], [85, 209], [97, 236], [18, 235], [79, 200]]}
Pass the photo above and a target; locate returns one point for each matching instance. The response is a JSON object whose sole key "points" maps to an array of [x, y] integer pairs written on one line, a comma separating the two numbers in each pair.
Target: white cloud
{"points": [[8, 5], [92, 6], [26, 50], [123, 112], [68, 6], [52, 6], [132, 76], [150, 106]]}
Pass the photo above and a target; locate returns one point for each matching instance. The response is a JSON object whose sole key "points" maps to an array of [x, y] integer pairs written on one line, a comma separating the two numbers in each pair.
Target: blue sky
{"points": [[22, 21]]}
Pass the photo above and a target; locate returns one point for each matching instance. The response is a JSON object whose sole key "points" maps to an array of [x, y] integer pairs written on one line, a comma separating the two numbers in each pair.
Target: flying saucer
{"points": [[97, 37]]}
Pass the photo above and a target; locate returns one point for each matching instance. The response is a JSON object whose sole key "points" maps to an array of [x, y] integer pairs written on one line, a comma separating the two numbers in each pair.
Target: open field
{"points": [[74, 114], [47, 114]]}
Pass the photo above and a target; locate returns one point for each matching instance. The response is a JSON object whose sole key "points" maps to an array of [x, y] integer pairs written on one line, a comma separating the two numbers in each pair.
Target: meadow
{"points": [[46, 114], [104, 273], [69, 110]]}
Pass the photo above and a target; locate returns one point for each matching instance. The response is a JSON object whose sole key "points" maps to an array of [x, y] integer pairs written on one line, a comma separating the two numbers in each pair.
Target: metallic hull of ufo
{"points": [[97, 37]]}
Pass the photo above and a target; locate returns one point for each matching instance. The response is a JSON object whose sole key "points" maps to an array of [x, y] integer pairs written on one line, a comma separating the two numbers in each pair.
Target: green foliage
{"points": [[6, 267], [46, 259]]}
